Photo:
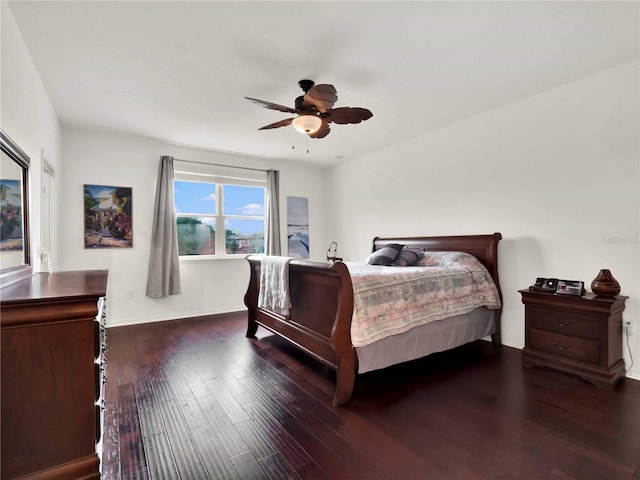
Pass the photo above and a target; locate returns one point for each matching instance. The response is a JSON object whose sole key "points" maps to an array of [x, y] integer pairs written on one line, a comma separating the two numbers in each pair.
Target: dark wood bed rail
{"points": [[319, 320]]}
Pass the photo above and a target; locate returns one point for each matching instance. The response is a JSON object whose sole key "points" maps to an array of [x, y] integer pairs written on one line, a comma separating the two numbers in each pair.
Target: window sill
{"points": [[213, 258]]}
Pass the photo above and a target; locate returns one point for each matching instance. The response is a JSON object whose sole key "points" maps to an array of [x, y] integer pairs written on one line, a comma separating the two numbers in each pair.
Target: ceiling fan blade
{"points": [[271, 105], [281, 123], [344, 115], [323, 131], [322, 97]]}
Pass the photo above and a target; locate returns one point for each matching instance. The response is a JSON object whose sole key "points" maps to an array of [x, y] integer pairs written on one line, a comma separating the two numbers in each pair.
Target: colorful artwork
{"points": [[107, 217], [298, 227], [10, 215]]}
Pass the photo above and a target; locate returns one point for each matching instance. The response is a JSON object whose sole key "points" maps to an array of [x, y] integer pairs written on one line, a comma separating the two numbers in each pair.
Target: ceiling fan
{"points": [[315, 110]]}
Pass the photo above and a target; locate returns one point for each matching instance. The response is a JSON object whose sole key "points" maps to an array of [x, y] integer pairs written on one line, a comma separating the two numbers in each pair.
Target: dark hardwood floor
{"points": [[195, 399]]}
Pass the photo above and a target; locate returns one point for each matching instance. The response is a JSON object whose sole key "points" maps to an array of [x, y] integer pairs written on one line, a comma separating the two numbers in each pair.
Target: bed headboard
{"points": [[483, 247]]}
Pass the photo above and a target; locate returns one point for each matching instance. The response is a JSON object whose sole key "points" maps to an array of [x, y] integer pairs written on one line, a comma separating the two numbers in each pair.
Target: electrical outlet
{"points": [[628, 329], [130, 294]]}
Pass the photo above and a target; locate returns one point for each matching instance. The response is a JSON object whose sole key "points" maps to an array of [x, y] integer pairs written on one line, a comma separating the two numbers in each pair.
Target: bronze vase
{"points": [[604, 285]]}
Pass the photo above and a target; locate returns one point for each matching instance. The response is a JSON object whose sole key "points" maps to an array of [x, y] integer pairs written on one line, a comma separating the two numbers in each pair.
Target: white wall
{"points": [[557, 174], [214, 286], [27, 116]]}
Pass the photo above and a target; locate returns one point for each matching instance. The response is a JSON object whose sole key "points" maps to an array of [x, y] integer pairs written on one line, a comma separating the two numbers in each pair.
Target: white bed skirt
{"points": [[426, 339]]}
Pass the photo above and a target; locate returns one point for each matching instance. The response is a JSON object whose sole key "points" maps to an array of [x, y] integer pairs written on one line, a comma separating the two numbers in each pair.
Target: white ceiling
{"points": [[178, 71]]}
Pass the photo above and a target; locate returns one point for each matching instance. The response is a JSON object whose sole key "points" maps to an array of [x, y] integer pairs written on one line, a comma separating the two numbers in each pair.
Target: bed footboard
{"points": [[319, 320]]}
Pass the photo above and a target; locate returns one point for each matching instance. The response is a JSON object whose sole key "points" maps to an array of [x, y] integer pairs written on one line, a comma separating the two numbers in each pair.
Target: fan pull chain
{"points": [[293, 140]]}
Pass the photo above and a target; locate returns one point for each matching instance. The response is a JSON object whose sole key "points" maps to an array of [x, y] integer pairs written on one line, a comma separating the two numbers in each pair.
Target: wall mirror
{"points": [[15, 252]]}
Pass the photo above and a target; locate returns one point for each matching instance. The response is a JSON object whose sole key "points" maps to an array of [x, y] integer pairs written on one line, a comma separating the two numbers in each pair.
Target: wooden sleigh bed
{"points": [[322, 306]]}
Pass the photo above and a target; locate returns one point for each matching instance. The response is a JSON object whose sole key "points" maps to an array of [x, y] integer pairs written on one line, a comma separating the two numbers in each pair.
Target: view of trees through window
{"points": [[201, 207]]}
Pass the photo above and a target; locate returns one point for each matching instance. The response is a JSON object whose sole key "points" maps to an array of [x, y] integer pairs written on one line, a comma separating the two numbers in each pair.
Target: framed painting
{"points": [[298, 227], [107, 217], [10, 214]]}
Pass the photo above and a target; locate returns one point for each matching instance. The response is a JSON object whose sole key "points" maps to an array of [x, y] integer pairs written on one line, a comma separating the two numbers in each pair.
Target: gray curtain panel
{"points": [[163, 278], [272, 237]]}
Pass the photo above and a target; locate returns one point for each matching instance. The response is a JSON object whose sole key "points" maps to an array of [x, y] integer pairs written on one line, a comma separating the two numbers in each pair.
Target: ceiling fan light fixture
{"points": [[315, 111], [307, 123]]}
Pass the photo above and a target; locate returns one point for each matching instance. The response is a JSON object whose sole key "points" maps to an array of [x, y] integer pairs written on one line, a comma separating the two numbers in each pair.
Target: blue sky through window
{"points": [[240, 200], [199, 198], [194, 197]]}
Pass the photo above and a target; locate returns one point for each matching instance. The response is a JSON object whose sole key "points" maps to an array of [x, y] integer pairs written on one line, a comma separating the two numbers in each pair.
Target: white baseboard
{"points": [[634, 374], [121, 322]]}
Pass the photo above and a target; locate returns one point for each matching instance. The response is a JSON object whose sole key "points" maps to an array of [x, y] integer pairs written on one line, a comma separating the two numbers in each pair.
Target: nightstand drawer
{"points": [[570, 347], [565, 323]]}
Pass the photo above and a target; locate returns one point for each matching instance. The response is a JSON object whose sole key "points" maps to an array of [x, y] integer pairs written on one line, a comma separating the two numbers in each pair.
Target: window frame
{"points": [[220, 181]]}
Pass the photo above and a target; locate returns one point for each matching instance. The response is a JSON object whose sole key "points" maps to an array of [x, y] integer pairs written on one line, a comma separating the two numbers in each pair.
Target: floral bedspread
{"points": [[392, 300]]}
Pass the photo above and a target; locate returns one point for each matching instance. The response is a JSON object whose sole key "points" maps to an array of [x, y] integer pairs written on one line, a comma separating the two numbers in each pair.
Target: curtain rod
{"points": [[221, 165]]}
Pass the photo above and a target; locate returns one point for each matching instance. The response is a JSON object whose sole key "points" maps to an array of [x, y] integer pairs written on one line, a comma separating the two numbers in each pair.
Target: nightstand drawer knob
{"points": [[562, 324], [561, 346]]}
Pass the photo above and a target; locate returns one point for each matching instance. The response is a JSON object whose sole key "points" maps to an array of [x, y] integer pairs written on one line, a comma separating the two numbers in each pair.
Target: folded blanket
{"points": [[274, 284]]}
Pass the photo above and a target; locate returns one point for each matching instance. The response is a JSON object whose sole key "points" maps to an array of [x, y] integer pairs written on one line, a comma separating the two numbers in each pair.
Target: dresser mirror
{"points": [[15, 259]]}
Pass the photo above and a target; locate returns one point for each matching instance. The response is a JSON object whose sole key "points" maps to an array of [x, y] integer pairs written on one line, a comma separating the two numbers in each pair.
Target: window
{"points": [[219, 216]]}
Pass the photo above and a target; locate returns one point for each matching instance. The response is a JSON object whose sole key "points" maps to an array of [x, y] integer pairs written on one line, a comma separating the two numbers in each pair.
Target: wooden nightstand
{"points": [[578, 335]]}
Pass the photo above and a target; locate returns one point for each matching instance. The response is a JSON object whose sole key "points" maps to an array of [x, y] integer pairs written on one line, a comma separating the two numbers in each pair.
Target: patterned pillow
{"points": [[431, 259], [445, 259], [385, 255], [407, 257]]}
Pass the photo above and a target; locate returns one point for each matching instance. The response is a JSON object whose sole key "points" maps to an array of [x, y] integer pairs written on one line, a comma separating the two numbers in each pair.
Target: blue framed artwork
{"points": [[298, 227]]}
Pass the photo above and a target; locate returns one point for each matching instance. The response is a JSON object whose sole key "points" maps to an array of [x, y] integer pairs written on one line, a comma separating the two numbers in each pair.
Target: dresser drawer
{"points": [[562, 345], [565, 323]]}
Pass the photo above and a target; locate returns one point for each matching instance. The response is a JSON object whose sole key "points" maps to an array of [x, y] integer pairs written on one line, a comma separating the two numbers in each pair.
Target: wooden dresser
{"points": [[579, 335], [53, 358]]}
